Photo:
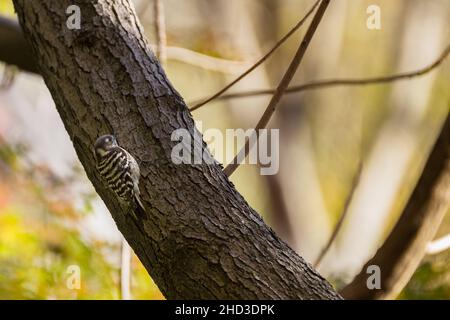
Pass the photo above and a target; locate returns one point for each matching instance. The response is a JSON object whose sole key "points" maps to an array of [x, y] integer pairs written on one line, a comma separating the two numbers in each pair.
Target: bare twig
{"points": [[259, 62], [242, 154], [438, 245], [320, 84], [142, 8], [160, 30], [125, 271], [9, 75], [339, 224]]}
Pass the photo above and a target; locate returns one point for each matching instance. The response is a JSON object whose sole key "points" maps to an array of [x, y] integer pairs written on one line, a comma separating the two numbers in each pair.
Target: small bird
{"points": [[119, 170]]}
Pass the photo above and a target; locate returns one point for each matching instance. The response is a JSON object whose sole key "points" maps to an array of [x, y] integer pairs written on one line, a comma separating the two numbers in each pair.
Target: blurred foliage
{"points": [[40, 238]]}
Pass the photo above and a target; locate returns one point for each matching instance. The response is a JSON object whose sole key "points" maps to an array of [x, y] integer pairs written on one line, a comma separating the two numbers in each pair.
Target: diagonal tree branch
{"points": [[405, 247], [258, 63], [198, 238], [160, 30], [295, 63], [125, 270]]}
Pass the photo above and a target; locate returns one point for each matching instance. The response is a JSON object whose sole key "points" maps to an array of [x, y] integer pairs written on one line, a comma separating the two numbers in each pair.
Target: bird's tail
{"points": [[139, 208]]}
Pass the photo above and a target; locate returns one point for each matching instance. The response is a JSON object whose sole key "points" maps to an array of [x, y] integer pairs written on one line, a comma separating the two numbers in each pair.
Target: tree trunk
{"points": [[199, 239]]}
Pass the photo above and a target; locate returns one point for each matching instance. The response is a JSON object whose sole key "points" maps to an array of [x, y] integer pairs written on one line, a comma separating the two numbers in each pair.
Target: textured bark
{"points": [[200, 239], [403, 250]]}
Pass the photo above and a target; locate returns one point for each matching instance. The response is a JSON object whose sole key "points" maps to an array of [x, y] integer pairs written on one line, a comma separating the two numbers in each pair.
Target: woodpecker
{"points": [[119, 170]]}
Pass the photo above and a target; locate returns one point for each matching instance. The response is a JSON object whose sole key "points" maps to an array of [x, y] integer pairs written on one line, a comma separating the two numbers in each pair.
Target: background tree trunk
{"points": [[200, 238], [14, 50]]}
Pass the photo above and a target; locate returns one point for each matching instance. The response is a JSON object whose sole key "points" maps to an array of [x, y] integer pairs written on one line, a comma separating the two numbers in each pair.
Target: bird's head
{"points": [[104, 144]]}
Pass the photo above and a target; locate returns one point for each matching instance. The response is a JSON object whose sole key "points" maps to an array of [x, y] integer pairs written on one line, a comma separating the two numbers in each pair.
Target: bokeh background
{"points": [[51, 217]]}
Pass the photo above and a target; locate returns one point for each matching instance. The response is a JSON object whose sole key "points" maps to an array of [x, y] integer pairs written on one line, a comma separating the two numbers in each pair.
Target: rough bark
{"points": [[200, 238], [403, 250]]}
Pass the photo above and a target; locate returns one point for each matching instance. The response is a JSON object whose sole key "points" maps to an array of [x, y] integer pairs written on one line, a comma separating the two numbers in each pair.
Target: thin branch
{"points": [[173, 267], [439, 245], [204, 61], [160, 30], [259, 62], [320, 84], [125, 270], [339, 224], [295, 63]]}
